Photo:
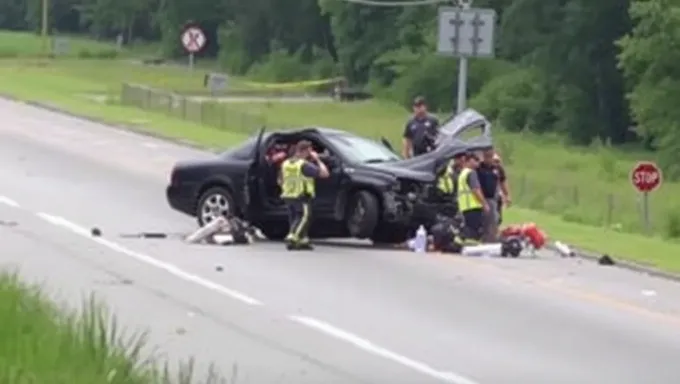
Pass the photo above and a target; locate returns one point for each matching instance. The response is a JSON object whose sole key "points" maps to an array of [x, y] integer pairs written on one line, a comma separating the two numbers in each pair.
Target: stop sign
{"points": [[646, 176]]}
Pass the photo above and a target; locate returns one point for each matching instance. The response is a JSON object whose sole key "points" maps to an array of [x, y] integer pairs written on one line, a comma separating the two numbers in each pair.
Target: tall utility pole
{"points": [[43, 30], [462, 68]]}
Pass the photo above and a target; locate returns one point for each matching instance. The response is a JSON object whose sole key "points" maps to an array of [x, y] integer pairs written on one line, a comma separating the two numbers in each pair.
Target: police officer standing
{"points": [[471, 202], [298, 190], [490, 178], [420, 131]]}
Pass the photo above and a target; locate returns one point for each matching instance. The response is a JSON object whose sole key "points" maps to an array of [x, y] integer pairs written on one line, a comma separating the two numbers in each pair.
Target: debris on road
{"points": [[225, 231], [606, 260], [563, 249], [95, 232]]}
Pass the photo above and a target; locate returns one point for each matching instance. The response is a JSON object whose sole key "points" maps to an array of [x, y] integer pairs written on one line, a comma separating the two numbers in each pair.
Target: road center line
{"points": [[368, 346], [170, 268]]}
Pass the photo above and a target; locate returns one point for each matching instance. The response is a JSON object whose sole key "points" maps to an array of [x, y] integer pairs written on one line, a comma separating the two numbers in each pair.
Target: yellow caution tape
{"points": [[296, 84]]}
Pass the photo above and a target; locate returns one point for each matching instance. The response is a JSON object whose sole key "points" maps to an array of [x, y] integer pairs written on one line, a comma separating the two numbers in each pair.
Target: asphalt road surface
{"points": [[339, 315]]}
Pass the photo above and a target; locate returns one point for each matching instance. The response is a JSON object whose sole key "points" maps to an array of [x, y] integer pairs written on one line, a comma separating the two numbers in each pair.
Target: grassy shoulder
{"points": [[581, 196], [42, 344]]}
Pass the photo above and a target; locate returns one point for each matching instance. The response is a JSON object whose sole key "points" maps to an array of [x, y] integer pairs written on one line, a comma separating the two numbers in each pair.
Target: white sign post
{"points": [[193, 40], [465, 32]]}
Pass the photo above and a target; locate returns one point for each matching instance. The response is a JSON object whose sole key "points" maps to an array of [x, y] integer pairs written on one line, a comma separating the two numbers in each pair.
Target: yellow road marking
{"points": [[580, 294]]}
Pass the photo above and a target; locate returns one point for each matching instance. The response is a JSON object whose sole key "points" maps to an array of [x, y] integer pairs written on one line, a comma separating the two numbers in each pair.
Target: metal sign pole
{"points": [[462, 70], [465, 32], [191, 62], [645, 211]]}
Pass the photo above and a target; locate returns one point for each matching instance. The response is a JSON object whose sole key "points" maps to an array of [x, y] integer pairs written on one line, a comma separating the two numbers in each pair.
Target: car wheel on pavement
{"points": [[213, 203], [363, 215]]}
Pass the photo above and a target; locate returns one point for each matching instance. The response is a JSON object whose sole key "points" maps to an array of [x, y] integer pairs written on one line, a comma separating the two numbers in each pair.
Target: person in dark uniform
{"points": [[297, 190], [420, 131], [490, 176], [504, 199], [471, 202]]}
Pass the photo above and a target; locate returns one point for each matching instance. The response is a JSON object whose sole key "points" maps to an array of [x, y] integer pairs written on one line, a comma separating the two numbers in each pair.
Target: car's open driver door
{"points": [[251, 185]]}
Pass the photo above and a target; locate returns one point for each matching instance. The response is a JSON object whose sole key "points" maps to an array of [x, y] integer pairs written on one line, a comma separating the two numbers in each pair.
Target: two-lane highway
{"points": [[338, 315]]}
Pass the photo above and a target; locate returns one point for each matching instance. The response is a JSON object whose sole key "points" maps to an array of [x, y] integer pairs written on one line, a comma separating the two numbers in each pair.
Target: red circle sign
{"points": [[193, 39], [646, 176]]}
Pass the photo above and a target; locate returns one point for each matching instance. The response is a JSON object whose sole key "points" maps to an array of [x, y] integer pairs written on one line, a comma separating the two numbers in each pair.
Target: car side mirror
{"points": [[386, 143]]}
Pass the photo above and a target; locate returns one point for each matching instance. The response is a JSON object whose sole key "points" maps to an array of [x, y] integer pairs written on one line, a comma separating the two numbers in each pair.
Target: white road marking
{"points": [[151, 145], [8, 201], [172, 269], [368, 346]]}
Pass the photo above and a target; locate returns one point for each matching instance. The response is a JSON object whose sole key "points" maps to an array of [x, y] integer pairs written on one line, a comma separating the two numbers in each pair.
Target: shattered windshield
{"points": [[363, 150]]}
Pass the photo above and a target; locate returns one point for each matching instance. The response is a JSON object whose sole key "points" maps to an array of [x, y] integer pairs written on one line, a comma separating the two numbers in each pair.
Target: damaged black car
{"points": [[372, 193]]}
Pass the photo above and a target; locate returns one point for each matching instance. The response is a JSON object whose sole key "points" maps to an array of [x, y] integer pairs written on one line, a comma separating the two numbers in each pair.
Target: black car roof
{"points": [[322, 130]]}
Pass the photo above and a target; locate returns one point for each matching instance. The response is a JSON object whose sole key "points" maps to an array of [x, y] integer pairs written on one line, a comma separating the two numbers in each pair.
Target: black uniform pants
{"points": [[473, 224], [500, 211], [299, 218]]}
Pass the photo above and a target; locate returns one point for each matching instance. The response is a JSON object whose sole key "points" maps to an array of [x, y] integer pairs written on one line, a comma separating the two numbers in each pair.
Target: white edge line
{"points": [[366, 345], [7, 201], [172, 269]]}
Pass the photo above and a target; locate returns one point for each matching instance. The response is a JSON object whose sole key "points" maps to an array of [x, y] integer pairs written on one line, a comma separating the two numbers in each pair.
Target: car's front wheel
{"points": [[214, 203], [363, 215]]}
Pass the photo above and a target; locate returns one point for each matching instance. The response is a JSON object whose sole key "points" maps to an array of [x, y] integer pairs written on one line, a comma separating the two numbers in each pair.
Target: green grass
{"points": [[580, 195], [43, 343], [23, 44]]}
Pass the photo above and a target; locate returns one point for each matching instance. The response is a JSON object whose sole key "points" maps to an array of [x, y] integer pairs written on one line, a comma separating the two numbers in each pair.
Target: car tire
{"points": [[363, 215], [215, 202]]}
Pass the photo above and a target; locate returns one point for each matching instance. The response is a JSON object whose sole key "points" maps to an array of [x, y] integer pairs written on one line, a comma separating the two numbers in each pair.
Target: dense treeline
{"points": [[591, 70]]}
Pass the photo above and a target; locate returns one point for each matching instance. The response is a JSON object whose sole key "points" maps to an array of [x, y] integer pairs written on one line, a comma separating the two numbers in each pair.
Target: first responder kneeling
{"points": [[297, 190], [471, 202]]}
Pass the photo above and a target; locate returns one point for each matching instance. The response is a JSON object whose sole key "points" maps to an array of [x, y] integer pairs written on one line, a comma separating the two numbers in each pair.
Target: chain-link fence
{"points": [[612, 206], [197, 109]]}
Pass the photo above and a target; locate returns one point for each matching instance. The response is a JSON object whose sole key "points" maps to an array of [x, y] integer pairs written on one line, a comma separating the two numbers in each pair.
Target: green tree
{"points": [[649, 57]]}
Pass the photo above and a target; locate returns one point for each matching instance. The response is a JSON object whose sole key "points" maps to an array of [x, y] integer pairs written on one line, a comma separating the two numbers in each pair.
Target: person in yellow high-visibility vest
{"points": [[448, 179], [471, 202], [298, 190]]}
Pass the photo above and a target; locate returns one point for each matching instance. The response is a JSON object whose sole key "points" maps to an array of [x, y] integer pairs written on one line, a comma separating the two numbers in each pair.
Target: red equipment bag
{"points": [[529, 232]]}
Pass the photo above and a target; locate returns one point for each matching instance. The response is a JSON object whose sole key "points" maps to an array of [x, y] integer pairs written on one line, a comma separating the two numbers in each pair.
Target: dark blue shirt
{"points": [[422, 131], [310, 170], [489, 178]]}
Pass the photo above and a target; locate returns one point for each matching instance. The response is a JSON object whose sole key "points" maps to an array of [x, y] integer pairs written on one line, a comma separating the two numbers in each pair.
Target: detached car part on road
{"points": [[371, 192]]}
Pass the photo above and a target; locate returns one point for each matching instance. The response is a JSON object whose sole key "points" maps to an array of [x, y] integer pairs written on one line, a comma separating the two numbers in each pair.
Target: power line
{"points": [[405, 3]]}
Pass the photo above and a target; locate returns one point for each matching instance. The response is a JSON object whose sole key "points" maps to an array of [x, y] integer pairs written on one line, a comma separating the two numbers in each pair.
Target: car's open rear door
{"points": [[251, 186]]}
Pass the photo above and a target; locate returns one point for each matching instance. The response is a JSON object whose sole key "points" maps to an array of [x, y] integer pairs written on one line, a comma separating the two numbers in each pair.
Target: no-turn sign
{"points": [[193, 39], [646, 176]]}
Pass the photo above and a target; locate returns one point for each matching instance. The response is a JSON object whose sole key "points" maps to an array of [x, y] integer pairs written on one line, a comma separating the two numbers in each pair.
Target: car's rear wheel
{"points": [[362, 215], [214, 203]]}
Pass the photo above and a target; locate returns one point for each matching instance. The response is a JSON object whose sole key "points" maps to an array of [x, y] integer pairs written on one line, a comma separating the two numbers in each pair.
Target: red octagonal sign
{"points": [[646, 176]]}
